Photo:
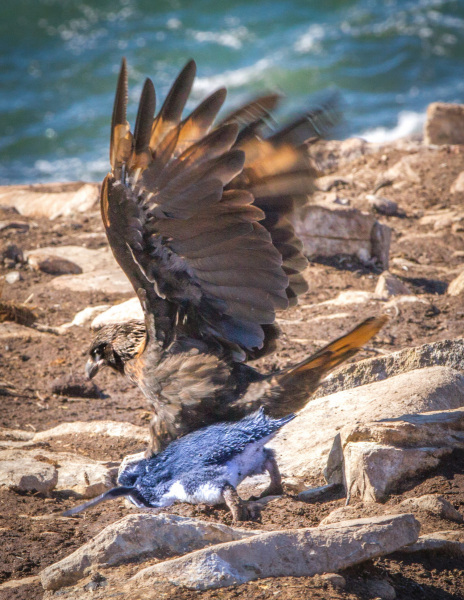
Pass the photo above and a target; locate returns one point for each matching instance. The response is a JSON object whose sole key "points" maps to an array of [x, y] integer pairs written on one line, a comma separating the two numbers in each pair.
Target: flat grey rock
{"points": [[330, 229], [51, 200], [119, 313], [14, 331], [445, 353], [29, 469], [135, 537], [100, 271], [26, 474], [433, 504], [112, 281], [118, 429], [381, 589], [388, 285], [439, 541], [294, 553]]}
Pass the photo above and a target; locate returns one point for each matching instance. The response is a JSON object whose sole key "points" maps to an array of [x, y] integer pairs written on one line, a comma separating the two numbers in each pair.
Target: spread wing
{"points": [[197, 215]]}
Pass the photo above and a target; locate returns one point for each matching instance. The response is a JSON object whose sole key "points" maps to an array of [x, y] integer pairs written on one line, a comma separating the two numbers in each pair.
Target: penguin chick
{"points": [[205, 466]]}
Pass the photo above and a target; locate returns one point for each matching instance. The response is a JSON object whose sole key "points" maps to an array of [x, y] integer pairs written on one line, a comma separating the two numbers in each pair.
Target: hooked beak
{"points": [[92, 367]]}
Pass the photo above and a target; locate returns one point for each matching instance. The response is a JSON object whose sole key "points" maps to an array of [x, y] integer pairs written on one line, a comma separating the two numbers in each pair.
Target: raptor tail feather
{"points": [[298, 382]]}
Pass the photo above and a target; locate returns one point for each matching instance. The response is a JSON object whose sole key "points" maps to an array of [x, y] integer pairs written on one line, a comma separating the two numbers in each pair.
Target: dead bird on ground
{"points": [[205, 466]]}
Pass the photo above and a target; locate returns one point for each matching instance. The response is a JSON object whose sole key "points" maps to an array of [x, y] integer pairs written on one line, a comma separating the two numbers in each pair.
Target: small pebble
{"points": [[363, 256], [314, 493], [13, 253], [335, 580], [380, 588], [53, 265], [384, 206], [75, 385], [342, 201], [13, 277]]}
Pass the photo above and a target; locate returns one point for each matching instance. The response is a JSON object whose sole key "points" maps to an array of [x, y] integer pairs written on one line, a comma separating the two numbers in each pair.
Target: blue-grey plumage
{"points": [[205, 466]]}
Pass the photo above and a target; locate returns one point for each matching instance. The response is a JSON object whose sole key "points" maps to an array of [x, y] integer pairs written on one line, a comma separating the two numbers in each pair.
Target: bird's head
{"points": [[114, 345]]}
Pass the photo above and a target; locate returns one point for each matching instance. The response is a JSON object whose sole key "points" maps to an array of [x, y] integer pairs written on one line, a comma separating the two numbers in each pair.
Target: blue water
{"points": [[59, 61]]}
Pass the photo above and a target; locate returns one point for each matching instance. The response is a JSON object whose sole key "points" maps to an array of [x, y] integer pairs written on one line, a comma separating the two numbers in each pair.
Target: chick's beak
{"points": [[92, 367]]}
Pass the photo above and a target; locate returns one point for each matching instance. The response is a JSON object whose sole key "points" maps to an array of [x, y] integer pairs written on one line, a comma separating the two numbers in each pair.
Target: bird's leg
{"points": [[275, 487], [241, 510]]}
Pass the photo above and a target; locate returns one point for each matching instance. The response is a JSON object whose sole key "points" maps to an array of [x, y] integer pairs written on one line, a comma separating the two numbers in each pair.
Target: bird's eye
{"points": [[98, 351]]}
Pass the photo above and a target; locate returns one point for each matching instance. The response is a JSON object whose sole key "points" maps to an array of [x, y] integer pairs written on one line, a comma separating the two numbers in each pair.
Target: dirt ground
{"points": [[426, 259]]}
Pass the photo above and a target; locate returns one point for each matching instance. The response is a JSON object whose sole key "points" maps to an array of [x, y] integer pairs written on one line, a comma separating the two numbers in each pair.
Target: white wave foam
{"points": [[70, 169], [409, 122], [232, 39], [311, 40], [231, 79]]}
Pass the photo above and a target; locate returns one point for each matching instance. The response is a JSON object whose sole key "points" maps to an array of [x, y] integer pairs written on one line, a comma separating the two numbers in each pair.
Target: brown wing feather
{"points": [[182, 209], [253, 113], [171, 111], [141, 156], [174, 230], [121, 140]]}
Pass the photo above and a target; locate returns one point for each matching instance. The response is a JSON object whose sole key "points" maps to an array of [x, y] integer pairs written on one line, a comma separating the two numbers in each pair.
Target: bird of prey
{"points": [[198, 215], [204, 466]]}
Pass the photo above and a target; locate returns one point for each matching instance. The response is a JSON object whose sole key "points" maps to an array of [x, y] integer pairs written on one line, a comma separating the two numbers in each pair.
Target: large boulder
{"points": [[304, 444], [444, 124], [293, 553], [379, 456], [331, 230]]}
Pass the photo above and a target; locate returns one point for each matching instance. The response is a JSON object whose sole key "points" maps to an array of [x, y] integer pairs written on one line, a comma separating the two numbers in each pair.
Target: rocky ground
{"points": [[415, 451]]}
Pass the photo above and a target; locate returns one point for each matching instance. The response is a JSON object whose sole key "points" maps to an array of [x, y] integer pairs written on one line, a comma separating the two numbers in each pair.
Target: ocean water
{"points": [[59, 61]]}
